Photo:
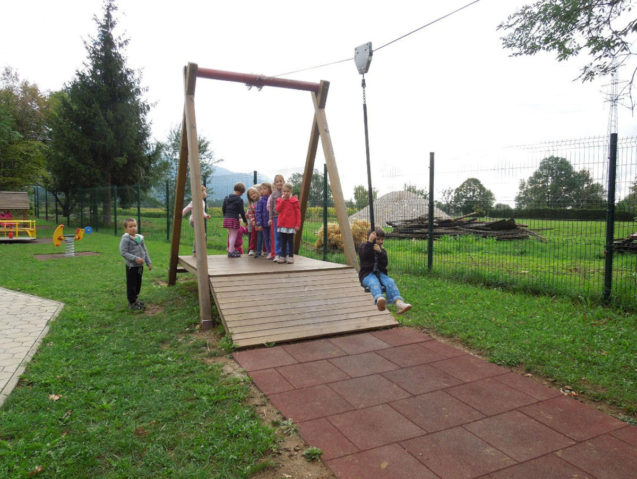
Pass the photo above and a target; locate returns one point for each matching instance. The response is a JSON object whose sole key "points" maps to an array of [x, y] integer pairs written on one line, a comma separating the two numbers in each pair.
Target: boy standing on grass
{"points": [[133, 249]]}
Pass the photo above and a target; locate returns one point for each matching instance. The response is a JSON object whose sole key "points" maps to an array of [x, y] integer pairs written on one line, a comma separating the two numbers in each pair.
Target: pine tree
{"points": [[100, 133]]}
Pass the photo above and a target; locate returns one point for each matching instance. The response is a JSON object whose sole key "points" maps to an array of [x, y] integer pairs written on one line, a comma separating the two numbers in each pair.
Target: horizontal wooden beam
{"points": [[257, 80]]}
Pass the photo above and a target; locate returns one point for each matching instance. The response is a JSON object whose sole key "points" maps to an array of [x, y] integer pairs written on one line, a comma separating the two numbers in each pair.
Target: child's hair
{"points": [[279, 177], [380, 232], [268, 186], [255, 190], [288, 186], [240, 187], [127, 221]]}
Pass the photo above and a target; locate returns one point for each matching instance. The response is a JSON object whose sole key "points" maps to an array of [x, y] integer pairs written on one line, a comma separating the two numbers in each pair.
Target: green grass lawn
{"points": [[142, 395]]}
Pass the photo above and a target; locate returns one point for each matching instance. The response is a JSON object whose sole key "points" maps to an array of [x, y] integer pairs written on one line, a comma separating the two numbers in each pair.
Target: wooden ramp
{"points": [[263, 302]]}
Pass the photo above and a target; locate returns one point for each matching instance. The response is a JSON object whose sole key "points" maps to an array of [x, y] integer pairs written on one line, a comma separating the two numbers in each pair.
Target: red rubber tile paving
{"points": [[571, 417], [270, 381], [490, 397], [314, 350], [545, 467], [322, 434], [388, 462], [452, 415], [253, 359], [604, 457], [312, 373], [375, 426], [444, 349], [363, 364], [309, 403], [421, 379], [457, 454], [369, 391], [436, 411], [359, 343], [510, 432], [627, 434], [528, 386], [401, 336], [470, 368], [410, 355]]}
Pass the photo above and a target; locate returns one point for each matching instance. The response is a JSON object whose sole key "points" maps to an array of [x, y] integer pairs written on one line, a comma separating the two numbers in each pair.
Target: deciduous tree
{"points": [[605, 30], [315, 197], [23, 132], [361, 196], [471, 196], [556, 184]]}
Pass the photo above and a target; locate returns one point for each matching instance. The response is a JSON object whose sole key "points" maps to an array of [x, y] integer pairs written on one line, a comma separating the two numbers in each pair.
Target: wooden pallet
{"points": [[262, 302]]}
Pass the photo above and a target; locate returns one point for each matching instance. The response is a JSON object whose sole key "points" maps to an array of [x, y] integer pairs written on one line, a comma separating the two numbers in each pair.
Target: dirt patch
{"points": [[43, 257], [287, 459]]}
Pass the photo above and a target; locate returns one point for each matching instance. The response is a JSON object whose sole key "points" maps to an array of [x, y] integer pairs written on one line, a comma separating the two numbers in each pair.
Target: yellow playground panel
{"points": [[12, 229], [12, 204]]}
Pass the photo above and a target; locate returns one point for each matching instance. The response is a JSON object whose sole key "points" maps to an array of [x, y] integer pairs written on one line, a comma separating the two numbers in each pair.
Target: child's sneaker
{"points": [[251, 252], [289, 259], [256, 255], [277, 259]]}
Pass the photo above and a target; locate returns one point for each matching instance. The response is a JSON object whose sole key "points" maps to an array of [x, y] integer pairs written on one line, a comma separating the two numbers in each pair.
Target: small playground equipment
{"points": [[11, 228], [69, 239]]}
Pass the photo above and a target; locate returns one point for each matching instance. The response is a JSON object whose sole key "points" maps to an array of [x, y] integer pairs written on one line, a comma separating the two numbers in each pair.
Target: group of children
{"points": [[273, 217]]}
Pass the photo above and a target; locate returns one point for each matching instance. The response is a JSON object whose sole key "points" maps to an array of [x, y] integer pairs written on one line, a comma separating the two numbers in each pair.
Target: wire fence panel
{"points": [[551, 196]]}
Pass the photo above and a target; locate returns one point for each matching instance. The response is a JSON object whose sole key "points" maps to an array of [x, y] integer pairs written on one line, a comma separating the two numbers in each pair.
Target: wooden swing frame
{"points": [[189, 157]]}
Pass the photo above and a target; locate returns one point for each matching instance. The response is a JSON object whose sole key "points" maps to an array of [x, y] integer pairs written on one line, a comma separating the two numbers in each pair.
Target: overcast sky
{"points": [[449, 88]]}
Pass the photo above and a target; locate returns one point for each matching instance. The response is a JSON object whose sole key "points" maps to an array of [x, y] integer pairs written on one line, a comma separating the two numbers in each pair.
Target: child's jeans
{"points": [[277, 238], [374, 283], [263, 240]]}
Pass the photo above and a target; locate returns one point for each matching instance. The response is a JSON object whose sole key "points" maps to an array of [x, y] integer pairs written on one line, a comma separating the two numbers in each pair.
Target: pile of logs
{"points": [[501, 230], [626, 245]]}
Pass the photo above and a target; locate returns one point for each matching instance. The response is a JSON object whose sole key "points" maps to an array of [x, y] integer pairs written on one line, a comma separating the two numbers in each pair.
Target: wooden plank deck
{"points": [[264, 302]]}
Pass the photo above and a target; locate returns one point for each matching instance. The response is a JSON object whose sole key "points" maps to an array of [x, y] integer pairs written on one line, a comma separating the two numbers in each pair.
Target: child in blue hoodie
{"points": [[133, 249], [262, 221]]}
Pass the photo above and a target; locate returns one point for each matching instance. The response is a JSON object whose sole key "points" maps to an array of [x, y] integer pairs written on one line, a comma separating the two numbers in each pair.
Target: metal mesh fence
{"points": [[555, 242]]}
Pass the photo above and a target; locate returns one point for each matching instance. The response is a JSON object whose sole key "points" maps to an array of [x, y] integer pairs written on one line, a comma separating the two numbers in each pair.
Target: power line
{"points": [[382, 46], [426, 25]]}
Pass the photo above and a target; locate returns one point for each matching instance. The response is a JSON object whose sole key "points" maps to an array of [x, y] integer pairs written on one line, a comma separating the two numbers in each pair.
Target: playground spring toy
{"points": [[69, 239]]}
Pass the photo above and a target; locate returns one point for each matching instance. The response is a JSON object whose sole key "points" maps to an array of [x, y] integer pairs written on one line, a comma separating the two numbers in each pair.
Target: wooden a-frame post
{"points": [[190, 148], [189, 153]]}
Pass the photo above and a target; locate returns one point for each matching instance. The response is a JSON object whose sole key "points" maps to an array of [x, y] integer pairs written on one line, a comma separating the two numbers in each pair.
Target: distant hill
{"points": [[223, 180]]}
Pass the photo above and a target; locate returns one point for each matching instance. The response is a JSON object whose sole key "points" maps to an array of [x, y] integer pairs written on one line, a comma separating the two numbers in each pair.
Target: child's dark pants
{"points": [[287, 244], [133, 282]]}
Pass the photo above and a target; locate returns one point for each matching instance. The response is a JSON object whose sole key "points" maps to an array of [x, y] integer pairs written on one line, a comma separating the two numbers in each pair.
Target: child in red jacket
{"points": [[288, 223]]}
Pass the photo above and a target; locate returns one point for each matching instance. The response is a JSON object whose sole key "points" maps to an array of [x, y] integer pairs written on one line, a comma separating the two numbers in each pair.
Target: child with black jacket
{"points": [[233, 208]]}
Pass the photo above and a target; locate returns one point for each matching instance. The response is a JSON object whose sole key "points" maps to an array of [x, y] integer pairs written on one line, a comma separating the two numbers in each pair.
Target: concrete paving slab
{"points": [[24, 321]]}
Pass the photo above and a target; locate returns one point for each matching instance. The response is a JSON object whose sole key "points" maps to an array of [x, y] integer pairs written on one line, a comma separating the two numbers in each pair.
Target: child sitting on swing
{"points": [[373, 272]]}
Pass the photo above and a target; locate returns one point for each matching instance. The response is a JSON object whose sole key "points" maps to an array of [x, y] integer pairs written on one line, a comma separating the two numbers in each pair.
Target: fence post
{"points": [[430, 236], [167, 211], [139, 210], [46, 204], [254, 180], [81, 208], [115, 210], [325, 212], [610, 220]]}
